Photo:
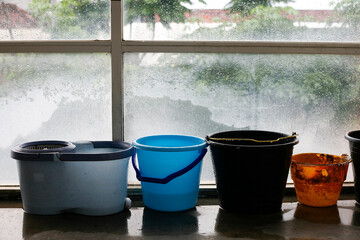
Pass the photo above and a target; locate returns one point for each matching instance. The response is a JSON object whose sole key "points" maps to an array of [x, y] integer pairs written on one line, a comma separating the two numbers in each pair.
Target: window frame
{"points": [[117, 47]]}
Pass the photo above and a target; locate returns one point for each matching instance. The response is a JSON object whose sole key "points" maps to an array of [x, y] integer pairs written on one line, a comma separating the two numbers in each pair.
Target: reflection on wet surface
{"points": [[296, 221], [245, 226], [326, 215], [173, 223], [115, 224]]}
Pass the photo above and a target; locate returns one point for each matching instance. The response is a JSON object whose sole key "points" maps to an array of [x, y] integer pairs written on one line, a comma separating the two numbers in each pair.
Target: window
{"points": [[52, 96], [311, 95], [195, 69]]}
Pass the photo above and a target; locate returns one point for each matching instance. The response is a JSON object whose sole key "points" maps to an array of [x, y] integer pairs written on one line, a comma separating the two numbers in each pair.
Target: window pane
{"points": [[280, 20], [52, 97], [316, 96], [57, 20]]}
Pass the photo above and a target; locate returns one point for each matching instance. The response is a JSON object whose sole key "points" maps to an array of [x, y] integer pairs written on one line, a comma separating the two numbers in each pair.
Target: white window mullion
{"points": [[257, 47], [78, 46], [116, 66]]}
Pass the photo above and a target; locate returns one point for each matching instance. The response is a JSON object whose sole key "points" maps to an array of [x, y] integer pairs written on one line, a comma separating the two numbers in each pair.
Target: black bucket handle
{"points": [[171, 176]]}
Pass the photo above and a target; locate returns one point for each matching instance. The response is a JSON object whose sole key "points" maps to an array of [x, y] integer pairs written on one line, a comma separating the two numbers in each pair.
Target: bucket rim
{"points": [[61, 146], [214, 143], [345, 156], [70, 151], [350, 138], [141, 146]]}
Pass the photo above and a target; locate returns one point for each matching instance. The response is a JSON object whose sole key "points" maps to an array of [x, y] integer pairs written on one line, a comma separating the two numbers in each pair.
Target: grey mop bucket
{"points": [[88, 178]]}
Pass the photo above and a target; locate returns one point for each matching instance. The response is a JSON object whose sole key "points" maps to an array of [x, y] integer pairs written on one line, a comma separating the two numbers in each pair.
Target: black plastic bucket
{"points": [[251, 169], [354, 143]]}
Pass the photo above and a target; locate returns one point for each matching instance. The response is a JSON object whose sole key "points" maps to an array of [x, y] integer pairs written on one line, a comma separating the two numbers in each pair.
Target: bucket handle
{"points": [[171, 176]]}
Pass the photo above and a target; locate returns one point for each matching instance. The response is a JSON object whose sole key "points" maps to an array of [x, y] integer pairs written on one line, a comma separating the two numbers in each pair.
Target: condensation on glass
{"points": [[315, 96], [52, 97], [298, 20], [54, 20]]}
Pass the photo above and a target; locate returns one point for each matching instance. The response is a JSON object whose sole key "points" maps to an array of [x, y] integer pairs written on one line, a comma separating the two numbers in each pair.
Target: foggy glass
{"points": [[52, 97], [54, 20], [316, 96], [281, 20]]}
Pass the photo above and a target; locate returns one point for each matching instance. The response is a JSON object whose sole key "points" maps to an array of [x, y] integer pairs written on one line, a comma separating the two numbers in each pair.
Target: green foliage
{"points": [[147, 10], [246, 6], [306, 81], [269, 23], [72, 19], [349, 13], [83, 19], [325, 81], [227, 72]]}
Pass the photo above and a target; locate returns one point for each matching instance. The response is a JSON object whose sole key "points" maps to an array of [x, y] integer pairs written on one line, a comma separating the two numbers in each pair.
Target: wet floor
{"points": [[295, 221]]}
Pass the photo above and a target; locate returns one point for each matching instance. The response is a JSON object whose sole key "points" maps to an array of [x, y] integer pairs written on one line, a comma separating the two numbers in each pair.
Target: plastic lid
{"points": [[67, 151], [40, 150]]}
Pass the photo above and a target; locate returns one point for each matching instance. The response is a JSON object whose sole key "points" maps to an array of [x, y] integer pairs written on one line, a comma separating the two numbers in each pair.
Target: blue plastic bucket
{"points": [[170, 167]]}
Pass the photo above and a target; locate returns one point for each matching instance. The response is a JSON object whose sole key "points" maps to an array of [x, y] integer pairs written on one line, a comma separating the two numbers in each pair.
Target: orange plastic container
{"points": [[318, 177]]}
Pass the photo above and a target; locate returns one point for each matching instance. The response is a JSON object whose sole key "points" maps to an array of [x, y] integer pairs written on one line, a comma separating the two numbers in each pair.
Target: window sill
{"points": [[295, 221], [207, 194]]}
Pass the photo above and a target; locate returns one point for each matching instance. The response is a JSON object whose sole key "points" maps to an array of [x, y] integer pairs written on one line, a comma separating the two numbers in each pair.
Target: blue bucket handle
{"points": [[171, 176]]}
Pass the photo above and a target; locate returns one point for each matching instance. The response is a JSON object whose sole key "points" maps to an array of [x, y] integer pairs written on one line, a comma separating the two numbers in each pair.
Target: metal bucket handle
{"points": [[253, 140]]}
